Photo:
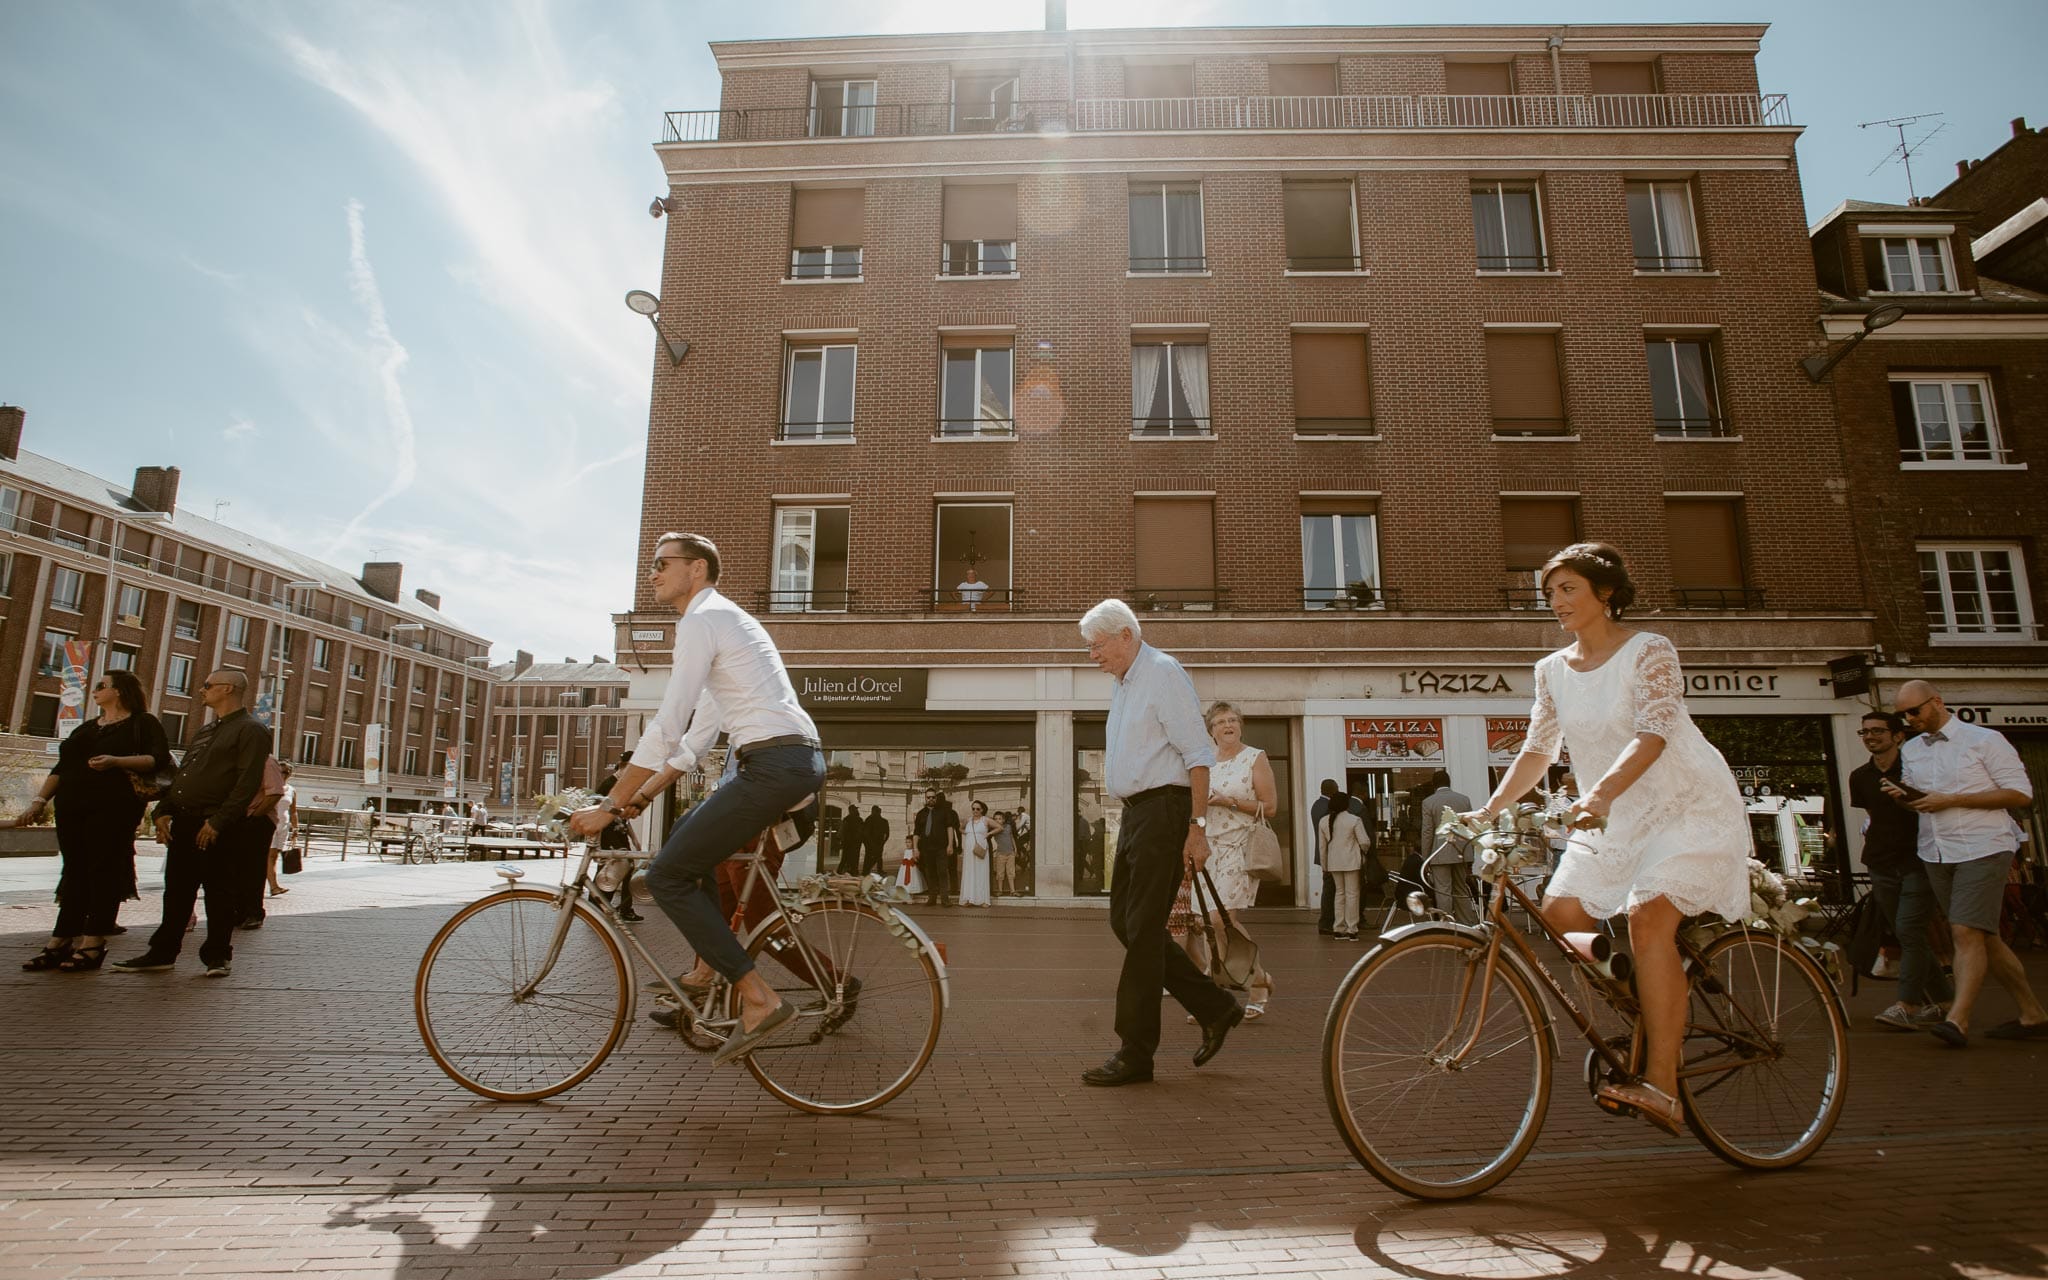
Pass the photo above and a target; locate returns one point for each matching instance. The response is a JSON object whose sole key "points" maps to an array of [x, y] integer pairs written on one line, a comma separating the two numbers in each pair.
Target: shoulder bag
{"points": [[1262, 857], [1233, 956]]}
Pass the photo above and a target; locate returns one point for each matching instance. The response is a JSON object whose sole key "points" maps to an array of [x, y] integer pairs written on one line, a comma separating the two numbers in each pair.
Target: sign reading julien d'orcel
{"points": [[862, 688]]}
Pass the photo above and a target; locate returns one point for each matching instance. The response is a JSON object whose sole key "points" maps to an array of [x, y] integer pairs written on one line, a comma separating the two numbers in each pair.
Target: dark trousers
{"points": [[1906, 900], [1149, 869], [941, 878], [873, 861], [253, 856], [222, 870], [1326, 922]]}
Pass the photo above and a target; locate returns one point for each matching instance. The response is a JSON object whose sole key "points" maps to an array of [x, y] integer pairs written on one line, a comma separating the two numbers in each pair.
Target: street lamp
{"points": [[384, 723], [641, 302], [1818, 364]]}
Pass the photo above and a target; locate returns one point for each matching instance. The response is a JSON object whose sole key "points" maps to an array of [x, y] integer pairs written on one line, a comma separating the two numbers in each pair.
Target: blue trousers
{"points": [[681, 877]]}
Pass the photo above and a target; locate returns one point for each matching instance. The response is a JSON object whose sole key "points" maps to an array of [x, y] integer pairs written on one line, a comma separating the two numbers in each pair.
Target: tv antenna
{"points": [[1905, 151]]}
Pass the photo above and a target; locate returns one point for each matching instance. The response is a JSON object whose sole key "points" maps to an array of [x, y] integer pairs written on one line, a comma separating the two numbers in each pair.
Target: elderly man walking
{"points": [[1962, 778], [1158, 759]]}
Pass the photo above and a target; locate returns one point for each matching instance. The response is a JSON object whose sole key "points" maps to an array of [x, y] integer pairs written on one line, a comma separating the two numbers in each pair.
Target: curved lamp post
{"points": [[1817, 365]]}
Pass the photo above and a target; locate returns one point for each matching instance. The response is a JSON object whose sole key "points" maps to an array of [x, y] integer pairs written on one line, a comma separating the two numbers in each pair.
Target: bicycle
{"points": [[525, 992], [1437, 1051]]}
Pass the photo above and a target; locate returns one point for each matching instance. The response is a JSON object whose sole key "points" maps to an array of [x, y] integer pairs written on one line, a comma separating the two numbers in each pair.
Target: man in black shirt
{"points": [[938, 840], [205, 825], [1898, 879]]}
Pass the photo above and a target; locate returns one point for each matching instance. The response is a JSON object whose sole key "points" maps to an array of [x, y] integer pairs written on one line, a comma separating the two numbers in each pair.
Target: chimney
{"points": [[156, 489], [1055, 15], [11, 418], [428, 599], [521, 661], [1962, 168], [381, 577], [2019, 126]]}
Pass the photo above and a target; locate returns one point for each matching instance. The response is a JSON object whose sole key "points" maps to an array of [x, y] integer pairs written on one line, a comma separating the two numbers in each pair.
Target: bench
{"points": [[479, 848]]}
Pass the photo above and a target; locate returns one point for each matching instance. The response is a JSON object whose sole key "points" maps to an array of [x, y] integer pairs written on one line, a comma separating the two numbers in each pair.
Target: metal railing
{"points": [[1692, 428], [814, 430], [1514, 262], [1718, 597], [1178, 428], [954, 600], [1967, 454], [1532, 427], [1523, 599], [973, 258], [1335, 427], [1170, 599], [1679, 262], [1352, 596], [1172, 264], [971, 428], [806, 601], [1218, 113], [1325, 262]]}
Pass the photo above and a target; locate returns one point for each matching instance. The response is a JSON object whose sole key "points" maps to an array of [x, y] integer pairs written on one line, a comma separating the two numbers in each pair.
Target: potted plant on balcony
{"points": [[1364, 595]]}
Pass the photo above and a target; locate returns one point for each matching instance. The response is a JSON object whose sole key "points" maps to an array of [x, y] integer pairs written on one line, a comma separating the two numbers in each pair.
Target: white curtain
{"points": [[1146, 386], [1148, 229], [1487, 228], [1674, 216], [1184, 229], [1191, 363]]}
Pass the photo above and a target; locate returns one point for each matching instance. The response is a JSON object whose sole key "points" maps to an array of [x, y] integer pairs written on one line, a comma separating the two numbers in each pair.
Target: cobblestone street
{"points": [[287, 1120]]}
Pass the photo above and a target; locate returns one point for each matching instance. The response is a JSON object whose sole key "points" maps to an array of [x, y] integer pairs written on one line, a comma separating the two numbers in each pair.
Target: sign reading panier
{"points": [[1403, 741]]}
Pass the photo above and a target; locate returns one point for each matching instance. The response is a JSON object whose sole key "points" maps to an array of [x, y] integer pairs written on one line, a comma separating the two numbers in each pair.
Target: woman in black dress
{"points": [[97, 813]]}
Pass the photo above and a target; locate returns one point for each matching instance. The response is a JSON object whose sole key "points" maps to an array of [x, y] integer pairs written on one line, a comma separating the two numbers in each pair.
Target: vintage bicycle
{"points": [[1439, 1047], [525, 992]]}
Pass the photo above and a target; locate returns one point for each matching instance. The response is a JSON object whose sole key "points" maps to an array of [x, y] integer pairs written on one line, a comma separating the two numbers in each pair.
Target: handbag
{"points": [[293, 861], [1233, 956], [153, 785], [1262, 857]]}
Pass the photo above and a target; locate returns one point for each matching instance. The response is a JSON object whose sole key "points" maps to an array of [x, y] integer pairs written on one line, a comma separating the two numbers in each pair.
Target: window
{"points": [[10, 507], [352, 708], [188, 620], [1975, 591], [810, 560], [976, 388], [309, 748], [323, 653], [1523, 381], [1661, 224], [1913, 264], [1625, 96], [123, 657], [978, 225], [818, 400], [355, 671], [825, 232], [345, 753], [356, 620], [1159, 80], [281, 643], [129, 610], [179, 678], [67, 589], [316, 701], [550, 758], [238, 633], [1321, 230], [842, 108], [1946, 421], [1170, 389], [1507, 226], [1340, 554], [419, 679], [54, 662], [1684, 391], [1706, 552], [414, 721], [971, 558], [73, 529], [1175, 553], [1480, 95], [1166, 227], [42, 715], [174, 726], [984, 103], [6, 573], [1332, 396]]}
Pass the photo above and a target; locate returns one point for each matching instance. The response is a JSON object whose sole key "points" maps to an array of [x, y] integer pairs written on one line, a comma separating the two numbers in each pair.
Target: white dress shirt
{"points": [[728, 673], [1155, 732], [1970, 758]]}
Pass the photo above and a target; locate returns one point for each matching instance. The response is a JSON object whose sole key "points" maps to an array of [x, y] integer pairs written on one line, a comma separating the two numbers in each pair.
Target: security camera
{"points": [[657, 207]]}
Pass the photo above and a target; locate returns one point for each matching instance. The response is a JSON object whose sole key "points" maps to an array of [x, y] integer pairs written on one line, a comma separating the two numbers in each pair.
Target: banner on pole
{"points": [[373, 755], [448, 771], [71, 699], [504, 782]]}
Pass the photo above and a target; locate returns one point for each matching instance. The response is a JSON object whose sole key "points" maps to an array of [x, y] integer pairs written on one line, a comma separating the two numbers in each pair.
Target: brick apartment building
{"points": [[172, 596], [1309, 342], [556, 724], [1942, 415]]}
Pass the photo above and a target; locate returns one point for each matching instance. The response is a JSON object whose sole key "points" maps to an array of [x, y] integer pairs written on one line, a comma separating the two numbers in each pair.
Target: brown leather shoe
{"points": [[1213, 1033]]}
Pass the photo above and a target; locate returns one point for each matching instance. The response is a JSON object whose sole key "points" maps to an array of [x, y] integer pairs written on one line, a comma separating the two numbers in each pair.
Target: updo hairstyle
{"points": [[1598, 564]]}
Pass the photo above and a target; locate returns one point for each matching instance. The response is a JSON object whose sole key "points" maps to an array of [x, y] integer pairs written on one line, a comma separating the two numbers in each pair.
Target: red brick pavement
{"points": [[286, 1120]]}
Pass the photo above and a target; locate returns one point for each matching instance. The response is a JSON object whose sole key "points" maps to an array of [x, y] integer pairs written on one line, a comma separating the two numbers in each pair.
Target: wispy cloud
{"points": [[232, 278], [238, 430], [389, 358]]}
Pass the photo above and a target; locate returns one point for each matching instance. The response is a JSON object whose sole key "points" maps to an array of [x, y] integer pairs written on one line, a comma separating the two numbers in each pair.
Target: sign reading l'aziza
{"points": [[1440, 680], [861, 688]]}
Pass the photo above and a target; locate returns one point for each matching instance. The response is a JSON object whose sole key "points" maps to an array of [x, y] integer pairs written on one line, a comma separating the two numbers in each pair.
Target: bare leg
{"points": [[757, 1000], [1566, 916], [1977, 953], [271, 871], [1660, 986], [2005, 966]]}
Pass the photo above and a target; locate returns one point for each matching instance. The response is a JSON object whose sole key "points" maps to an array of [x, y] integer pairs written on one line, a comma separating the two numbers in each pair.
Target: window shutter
{"points": [[1478, 79], [1301, 79], [1534, 529], [1176, 543], [1143, 80], [1317, 218], [1340, 506], [1624, 77], [979, 213], [1521, 375], [1706, 547], [828, 215], [1330, 377]]}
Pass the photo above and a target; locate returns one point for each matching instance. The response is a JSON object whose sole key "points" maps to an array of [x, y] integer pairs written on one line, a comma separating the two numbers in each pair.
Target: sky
{"points": [[357, 267]]}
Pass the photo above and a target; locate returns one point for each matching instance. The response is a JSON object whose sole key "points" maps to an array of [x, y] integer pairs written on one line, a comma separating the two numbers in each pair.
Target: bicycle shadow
{"points": [[515, 1233]]}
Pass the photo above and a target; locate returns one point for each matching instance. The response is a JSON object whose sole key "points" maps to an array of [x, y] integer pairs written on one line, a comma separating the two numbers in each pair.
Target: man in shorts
{"points": [[1963, 778]]}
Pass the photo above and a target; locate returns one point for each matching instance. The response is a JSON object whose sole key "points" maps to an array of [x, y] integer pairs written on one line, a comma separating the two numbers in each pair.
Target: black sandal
{"points": [[47, 958], [84, 959]]}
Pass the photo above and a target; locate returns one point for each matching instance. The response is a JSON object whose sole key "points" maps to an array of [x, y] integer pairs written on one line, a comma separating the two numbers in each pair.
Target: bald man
{"points": [[1963, 778], [204, 822]]}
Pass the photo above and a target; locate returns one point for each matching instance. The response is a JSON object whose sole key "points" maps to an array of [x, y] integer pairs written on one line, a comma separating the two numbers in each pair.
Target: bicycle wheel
{"points": [[511, 1049], [838, 1055], [1429, 1120], [1766, 1052]]}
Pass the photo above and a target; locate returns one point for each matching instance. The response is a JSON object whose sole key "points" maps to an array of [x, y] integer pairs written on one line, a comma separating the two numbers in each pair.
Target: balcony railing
{"points": [[1682, 262], [1351, 113], [814, 431], [1719, 597], [954, 600], [971, 428], [807, 601], [1351, 597], [979, 258], [1161, 429], [1969, 454], [1523, 599], [1324, 262], [1692, 428], [1531, 427], [1335, 427], [1172, 264], [1169, 599]]}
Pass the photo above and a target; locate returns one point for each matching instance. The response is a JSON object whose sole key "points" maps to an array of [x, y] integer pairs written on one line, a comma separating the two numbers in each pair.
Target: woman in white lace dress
{"points": [[1676, 841], [1240, 788]]}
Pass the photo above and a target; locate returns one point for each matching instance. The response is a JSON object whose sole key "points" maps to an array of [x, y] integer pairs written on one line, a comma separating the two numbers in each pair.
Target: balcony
{"points": [[1718, 597], [1357, 595], [1227, 114]]}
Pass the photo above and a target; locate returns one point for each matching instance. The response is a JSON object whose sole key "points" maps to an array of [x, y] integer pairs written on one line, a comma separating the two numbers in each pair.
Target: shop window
{"points": [[985, 103], [1685, 393], [1975, 593], [975, 388], [1166, 228], [890, 766], [1662, 227], [1175, 554], [1507, 226], [971, 555], [818, 396], [1320, 225], [1332, 390], [1532, 530], [1947, 422], [978, 230], [1169, 389], [1705, 538], [826, 230], [1340, 555], [1909, 264], [1524, 383], [842, 108], [810, 560]]}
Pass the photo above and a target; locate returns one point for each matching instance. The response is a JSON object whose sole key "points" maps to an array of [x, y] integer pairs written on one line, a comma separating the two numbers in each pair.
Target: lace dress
{"points": [[1230, 831], [1680, 831]]}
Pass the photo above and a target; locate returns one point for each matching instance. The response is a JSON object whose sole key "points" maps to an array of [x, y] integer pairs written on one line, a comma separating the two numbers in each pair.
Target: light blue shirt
{"points": [[1155, 732], [1969, 758]]}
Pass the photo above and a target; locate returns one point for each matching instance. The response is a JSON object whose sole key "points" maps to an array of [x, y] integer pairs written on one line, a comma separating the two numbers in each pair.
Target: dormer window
{"points": [[1909, 260]]}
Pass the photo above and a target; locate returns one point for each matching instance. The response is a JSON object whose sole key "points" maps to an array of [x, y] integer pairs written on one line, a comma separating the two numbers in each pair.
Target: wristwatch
{"points": [[1202, 822]]}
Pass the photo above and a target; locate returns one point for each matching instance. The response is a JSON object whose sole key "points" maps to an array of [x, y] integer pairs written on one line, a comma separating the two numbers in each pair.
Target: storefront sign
{"points": [[1439, 680], [864, 688], [324, 800], [1721, 682], [2015, 716], [1850, 676], [1402, 741]]}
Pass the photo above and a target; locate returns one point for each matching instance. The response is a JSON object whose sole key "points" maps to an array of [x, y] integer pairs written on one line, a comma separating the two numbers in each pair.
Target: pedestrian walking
{"points": [[875, 832], [1900, 891], [1241, 788], [1157, 762], [1327, 795], [287, 815], [1446, 863], [255, 841]]}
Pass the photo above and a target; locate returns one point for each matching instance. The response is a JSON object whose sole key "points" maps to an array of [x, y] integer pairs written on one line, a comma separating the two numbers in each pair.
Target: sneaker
{"points": [[1929, 1015], [148, 962], [217, 970], [1900, 1018], [1884, 967]]}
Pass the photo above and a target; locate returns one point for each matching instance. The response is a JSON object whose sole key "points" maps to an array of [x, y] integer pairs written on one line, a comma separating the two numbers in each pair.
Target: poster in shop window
{"points": [[1505, 738], [1404, 742]]}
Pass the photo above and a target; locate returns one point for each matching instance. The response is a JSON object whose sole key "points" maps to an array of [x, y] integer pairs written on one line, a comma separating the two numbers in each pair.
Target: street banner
{"points": [[71, 699], [448, 775], [373, 755], [504, 782], [1407, 741], [266, 706]]}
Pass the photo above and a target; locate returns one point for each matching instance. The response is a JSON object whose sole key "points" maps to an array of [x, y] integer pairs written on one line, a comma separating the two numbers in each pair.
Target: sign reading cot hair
{"points": [[860, 688], [1404, 741]]}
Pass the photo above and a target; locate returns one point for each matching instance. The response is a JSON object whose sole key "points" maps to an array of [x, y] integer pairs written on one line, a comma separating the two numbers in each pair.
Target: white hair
{"points": [[1108, 618]]}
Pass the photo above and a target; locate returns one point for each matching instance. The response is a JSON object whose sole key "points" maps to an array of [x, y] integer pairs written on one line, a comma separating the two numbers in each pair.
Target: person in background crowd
{"points": [[202, 823], [1899, 886], [1346, 845], [287, 815], [255, 843], [853, 839], [972, 589], [1962, 778], [479, 818], [876, 833], [1450, 876], [1330, 793], [938, 838], [97, 811], [1241, 787], [1002, 843], [975, 872]]}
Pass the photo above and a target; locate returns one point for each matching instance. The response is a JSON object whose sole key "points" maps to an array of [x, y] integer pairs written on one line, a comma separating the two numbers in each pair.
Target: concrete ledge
{"points": [[27, 842]]}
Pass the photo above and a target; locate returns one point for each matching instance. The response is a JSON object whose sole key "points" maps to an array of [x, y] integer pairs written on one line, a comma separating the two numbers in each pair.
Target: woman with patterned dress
{"points": [[1676, 839], [1240, 787]]}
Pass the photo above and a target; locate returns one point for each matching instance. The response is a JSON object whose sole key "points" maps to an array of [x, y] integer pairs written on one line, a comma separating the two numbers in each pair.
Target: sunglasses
{"points": [[1915, 709], [216, 684], [661, 563]]}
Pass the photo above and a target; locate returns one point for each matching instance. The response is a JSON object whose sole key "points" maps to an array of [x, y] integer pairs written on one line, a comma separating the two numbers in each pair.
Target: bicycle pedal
{"points": [[1614, 1108]]}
